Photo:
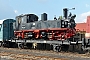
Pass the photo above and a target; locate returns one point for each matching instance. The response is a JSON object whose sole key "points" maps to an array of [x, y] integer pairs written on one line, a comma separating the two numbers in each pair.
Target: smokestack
{"points": [[65, 12]]}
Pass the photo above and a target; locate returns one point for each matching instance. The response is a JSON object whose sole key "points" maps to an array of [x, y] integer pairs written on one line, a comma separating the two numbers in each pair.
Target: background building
{"points": [[84, 27]]}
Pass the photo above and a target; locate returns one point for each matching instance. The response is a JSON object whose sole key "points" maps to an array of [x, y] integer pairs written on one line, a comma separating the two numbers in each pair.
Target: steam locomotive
{"points": [[57, 34], [28, 27]]}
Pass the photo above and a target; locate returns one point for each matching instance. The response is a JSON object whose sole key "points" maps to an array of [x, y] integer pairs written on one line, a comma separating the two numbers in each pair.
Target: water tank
{"points": [[44, 17]]}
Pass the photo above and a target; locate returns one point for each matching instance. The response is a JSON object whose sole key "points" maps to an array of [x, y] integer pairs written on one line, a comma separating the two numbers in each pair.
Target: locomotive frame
{"points": [[57, 45]]}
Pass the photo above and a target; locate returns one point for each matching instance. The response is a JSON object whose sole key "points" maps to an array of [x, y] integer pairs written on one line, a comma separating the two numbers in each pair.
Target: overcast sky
{"points": [[12, 8]]}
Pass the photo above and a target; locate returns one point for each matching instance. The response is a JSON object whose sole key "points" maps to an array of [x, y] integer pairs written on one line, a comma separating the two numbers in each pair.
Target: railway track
{"points": [[27, 54]]}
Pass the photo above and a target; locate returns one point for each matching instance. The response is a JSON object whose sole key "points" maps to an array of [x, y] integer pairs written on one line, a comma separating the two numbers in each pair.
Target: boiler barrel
{"points": [[44, 17]]}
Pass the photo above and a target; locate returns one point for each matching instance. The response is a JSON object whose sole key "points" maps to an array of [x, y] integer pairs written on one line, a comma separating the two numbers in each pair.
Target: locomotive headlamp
{"points": [[73, 17]]}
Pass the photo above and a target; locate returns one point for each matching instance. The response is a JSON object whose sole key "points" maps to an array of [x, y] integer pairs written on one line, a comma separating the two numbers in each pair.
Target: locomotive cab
{"points": [[27, 18]]}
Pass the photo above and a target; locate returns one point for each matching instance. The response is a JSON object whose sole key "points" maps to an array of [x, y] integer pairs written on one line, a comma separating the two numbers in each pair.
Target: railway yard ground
{"points": [[27, 54]]}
